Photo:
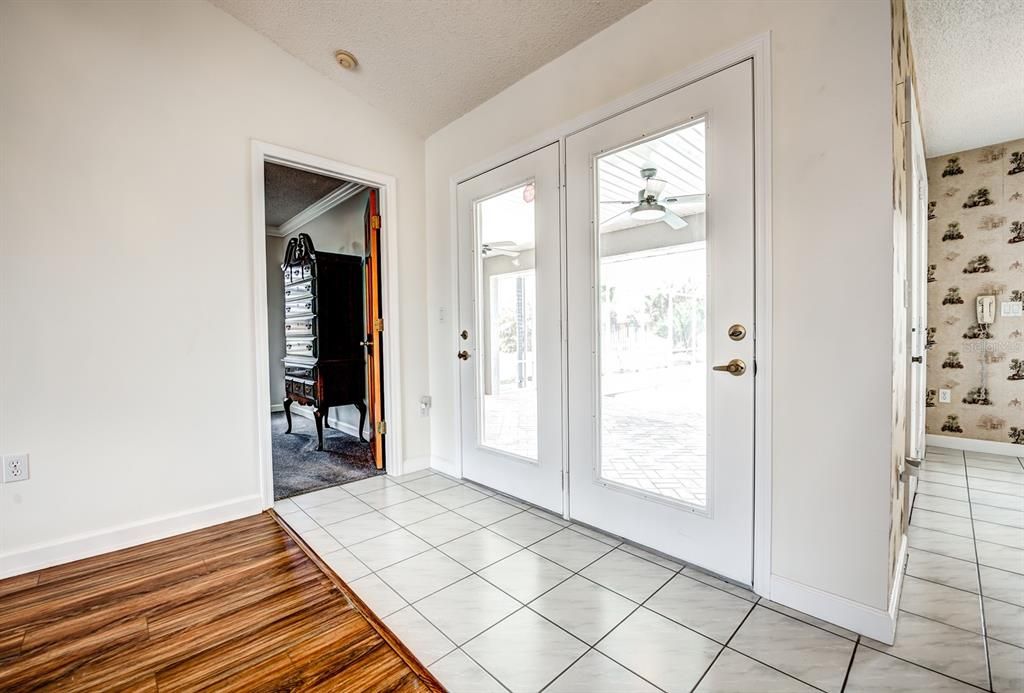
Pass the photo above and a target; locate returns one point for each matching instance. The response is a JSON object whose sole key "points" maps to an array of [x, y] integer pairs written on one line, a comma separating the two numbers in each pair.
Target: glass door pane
{"points": [[652, 296], [508, 321]]}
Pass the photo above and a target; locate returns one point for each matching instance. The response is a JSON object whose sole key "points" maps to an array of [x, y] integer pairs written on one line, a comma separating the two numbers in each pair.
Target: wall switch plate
{"points": [[1011, 309], [944, 396], [15, 468]]}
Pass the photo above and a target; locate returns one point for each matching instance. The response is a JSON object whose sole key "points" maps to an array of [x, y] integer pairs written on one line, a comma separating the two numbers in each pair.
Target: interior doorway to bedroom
{"points": [[324, 329]]}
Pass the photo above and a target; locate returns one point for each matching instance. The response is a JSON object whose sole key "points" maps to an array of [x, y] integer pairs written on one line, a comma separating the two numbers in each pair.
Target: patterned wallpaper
{"points": [[976, 246]]}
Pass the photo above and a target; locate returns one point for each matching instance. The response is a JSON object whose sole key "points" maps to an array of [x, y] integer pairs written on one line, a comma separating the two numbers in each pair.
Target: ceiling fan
{"points": [[499, 248], [649, 207]]}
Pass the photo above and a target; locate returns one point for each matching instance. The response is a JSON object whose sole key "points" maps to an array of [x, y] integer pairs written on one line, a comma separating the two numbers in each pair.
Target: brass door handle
{"points": [[464, 355], [735, 367]]}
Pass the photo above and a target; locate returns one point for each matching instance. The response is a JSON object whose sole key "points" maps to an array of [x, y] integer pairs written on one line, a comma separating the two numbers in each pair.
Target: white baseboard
{"points": [[449, 467], [415, 464], [990, 447], [879, 624], [333, 422], [94, 543], [278, 407]]}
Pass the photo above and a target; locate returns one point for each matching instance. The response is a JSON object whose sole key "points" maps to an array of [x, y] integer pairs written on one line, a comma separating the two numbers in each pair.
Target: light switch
{"points": [[1011, 309], [944, 396]]}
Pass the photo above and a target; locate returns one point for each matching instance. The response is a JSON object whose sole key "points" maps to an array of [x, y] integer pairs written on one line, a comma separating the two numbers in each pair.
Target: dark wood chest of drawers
{"points": [[325, 362]]}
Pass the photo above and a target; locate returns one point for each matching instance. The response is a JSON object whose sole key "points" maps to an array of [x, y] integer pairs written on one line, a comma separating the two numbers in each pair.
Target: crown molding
{"points": [[324, 204]]}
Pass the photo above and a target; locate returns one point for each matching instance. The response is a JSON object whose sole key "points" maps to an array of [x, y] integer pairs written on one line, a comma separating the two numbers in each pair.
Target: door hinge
{"points": [[375, 222], [382, 427], [378, 324]]}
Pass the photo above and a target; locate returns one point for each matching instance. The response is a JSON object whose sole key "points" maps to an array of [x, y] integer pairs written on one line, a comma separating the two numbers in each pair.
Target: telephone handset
{"points": [[986, 306]]}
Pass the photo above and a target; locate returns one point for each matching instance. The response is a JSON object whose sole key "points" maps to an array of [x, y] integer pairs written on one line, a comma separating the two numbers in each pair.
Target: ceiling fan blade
{"points": [[684, 198], [612, 218], [654, 186], [509, 253], [617, 202], [502, 244], [674, 220]]}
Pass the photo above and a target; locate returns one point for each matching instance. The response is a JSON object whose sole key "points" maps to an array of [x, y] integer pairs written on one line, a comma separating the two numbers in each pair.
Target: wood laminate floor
{"points": [[238, 606]]}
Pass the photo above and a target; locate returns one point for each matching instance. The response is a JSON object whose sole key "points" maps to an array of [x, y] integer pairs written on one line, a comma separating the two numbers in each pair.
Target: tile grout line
{"points": [[946, 555], [959, 589], [939, 512], [922, 666], [950, 625], [724, 647], [977, 502], [577, 573], [472, 573], [849, 667], [972, 537], [675, 572], [981, 588], [523, 605]]}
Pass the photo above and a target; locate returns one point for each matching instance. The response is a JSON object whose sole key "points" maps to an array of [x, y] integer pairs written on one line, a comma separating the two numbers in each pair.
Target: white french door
{"points": [[660, 277], [509, 343]]}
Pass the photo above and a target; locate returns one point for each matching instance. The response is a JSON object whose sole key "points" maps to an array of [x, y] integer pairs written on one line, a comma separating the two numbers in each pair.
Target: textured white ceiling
{"points": [[427, 62], [970, 71]]}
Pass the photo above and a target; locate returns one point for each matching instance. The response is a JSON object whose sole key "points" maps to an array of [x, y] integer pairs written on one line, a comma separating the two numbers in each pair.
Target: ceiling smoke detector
{"points": [[346, 60]]}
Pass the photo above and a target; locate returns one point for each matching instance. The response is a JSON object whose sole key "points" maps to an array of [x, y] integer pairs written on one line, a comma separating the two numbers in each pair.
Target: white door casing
{"points": [[719, 535], [917, 278]]}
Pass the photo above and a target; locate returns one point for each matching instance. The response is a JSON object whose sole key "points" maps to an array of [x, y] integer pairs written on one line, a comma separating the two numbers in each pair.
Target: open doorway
{"points": [[324, 318]]}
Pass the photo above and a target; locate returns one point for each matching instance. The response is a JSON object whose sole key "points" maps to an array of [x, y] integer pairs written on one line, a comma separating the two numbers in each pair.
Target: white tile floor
{"points": [[495, 596]]}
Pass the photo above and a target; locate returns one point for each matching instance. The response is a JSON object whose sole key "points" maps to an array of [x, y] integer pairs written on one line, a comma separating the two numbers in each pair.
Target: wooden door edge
{"points": [[373, 619]]}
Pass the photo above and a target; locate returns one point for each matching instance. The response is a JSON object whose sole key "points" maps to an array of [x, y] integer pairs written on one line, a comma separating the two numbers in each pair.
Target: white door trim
{"points": [[264, 152], [757, 48]]}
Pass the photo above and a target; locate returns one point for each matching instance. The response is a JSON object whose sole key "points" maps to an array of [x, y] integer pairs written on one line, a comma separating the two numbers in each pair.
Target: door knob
{"points": [[464, 355], [734, 367], [367, 343]]}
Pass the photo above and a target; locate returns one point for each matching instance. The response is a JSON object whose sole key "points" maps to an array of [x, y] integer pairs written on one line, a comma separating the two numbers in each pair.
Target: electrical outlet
{"points": [[425, 403], [15, 468], [944, 396]]}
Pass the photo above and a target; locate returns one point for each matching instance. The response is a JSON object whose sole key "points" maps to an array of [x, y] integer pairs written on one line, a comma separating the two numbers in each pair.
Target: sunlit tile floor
{"points": [[493, 595]]}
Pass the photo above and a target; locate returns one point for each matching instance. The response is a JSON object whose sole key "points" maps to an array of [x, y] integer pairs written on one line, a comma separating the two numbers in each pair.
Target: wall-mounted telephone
{"points": [[986, 310]]}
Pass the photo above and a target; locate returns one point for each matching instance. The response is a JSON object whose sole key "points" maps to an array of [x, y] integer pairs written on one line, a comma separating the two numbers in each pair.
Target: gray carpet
{"points": [[299, 468]]}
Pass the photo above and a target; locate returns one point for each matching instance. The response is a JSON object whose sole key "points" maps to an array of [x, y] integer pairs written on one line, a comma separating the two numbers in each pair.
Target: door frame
{"points": [[916, 292], [264, 152], [757, 48], [917, 245]]}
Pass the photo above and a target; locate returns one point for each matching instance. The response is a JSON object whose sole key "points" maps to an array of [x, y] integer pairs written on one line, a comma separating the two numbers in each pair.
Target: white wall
{"points": [[275, 314], [338, 230], [832, 216], [127, 347]]}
